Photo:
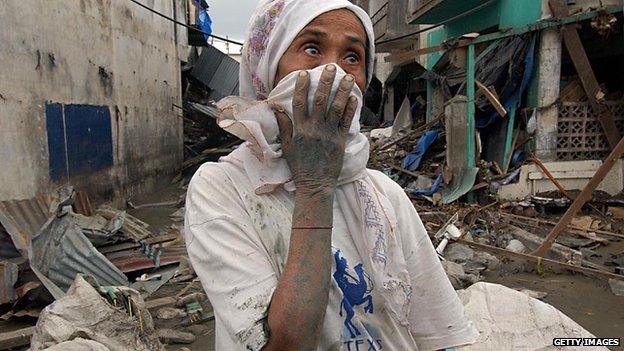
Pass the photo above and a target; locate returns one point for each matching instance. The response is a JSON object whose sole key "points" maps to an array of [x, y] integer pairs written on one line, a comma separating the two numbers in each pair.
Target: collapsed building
{"points": [[513, 81]]}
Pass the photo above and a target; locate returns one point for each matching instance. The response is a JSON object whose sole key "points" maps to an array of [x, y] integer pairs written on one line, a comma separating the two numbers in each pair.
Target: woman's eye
{"points": [[311, 50], [352, 59]]}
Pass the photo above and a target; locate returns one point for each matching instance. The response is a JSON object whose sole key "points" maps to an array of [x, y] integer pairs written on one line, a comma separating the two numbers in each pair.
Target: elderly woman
{"points": [[297, 244]]}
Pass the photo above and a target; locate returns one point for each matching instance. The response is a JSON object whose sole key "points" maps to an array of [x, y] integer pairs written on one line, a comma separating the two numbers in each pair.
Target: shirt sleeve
{"points": [[437, 316], [228, 257]]}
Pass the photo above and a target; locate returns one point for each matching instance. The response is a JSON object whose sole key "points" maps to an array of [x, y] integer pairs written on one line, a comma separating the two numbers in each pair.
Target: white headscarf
{"points": [[369, 215]]}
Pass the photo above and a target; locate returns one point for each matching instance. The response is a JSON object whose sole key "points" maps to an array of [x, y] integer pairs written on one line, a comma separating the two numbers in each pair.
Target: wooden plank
{"points": [[128, 246], [470, 105], [571, 227], [492, 98], [586, 73], [17, 338], [415, 132], [414, 54], [161, 302], [544, 262], [583, 197]]}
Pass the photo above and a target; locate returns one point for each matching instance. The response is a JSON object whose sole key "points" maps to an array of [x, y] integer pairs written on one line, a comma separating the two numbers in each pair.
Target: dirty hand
{"points": [[314, 148]]}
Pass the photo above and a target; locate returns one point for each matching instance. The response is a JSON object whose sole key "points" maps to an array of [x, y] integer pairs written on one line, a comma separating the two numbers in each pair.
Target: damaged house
{"points": [[520, 85]]}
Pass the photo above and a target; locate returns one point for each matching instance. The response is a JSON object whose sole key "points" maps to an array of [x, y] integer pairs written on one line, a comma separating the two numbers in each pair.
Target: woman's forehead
{"points": [[342, 18]]}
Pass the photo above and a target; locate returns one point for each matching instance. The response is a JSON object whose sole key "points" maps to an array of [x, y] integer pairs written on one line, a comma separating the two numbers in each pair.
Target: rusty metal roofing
{"points": [[22, 219], [135, 260]]}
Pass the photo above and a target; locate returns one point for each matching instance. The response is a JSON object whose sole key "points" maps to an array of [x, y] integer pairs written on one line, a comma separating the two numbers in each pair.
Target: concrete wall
{"points": [[107, 53]]}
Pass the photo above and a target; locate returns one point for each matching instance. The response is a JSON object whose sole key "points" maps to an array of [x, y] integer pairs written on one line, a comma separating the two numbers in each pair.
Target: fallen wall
{"points": [[87, 89]]}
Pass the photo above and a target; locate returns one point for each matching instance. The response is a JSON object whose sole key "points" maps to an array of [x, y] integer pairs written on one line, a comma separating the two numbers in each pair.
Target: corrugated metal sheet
{"points": [[217, 71], [205, 109], [8, 277], [22, 219], [61, 251], [7, 249], [132, 261]]}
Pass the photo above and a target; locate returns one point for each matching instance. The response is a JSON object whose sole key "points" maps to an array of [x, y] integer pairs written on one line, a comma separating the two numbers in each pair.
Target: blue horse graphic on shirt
{"points": [[355, 291]]}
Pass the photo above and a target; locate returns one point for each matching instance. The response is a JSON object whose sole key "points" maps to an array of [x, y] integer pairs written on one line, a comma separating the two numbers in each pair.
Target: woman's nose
{"points": [[335, 59]]}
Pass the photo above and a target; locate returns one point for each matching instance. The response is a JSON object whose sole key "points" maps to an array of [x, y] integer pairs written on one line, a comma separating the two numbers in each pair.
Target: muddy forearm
{"points": [[300, 299]]}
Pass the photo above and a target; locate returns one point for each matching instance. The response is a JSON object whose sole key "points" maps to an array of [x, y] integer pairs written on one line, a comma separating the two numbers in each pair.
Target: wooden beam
{"points": [[544, 262], [573, 228], [580, 200], [586, 73], [492, 98], [423, 128], [16, 338], [536, 26], [414, 54]]}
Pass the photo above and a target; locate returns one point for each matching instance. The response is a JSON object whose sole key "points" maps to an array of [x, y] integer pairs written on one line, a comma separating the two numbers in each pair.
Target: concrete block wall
{"points": [[107, 74]]}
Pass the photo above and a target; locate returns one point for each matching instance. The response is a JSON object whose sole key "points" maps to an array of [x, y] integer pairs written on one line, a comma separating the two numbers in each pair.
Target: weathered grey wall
{"points": [[94, 52]]}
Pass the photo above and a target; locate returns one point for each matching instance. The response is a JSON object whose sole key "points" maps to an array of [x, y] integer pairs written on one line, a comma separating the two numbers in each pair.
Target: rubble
{"points": [[50, 240], [617, 287], [170, 336], [458, 277], [83, 312], [170, 313]]}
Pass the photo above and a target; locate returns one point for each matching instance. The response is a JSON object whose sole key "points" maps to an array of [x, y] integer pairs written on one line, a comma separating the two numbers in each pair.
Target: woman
{"points": [[297, 244]]}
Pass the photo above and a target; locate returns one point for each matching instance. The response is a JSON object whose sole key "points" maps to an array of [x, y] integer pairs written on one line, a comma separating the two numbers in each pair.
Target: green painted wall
{"points": [[476, 22], [502, 14], [435, 37], [518, 13]]}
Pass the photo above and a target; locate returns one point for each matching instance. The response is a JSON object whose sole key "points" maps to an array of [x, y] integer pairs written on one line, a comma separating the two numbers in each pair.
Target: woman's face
{"points": [[334, 37]]}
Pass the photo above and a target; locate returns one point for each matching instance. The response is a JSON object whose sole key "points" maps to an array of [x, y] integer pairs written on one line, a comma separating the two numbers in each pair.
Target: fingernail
{"points": [[330, 68], [303, 74], [349, 78]]}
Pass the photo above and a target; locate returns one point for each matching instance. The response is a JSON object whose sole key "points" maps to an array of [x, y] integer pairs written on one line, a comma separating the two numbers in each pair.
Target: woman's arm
{"points": [[314, 148]]}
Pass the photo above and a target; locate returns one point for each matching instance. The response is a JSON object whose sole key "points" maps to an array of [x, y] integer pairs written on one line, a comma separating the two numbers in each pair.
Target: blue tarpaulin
{"points": [[412, 161], [514, 100], [428, 192], [204, 21]]}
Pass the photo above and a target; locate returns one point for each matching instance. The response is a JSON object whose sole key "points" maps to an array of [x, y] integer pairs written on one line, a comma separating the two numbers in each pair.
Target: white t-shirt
{"points": [[238, 244]]}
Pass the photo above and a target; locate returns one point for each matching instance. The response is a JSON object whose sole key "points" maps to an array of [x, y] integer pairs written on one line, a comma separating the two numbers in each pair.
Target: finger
{"points": [[337, 109], [286, 129], [321, 96], [300, 100], [349, 114]]}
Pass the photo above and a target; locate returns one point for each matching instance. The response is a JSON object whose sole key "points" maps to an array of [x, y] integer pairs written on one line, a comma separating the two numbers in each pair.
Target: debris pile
{"points": [[476, 235], [48, 243]]}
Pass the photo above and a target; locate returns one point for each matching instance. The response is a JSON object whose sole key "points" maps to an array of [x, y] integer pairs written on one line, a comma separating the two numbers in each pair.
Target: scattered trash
{"points": [[516, 246], [170, 313], [617, 287], [458, 277], [178, 215], [170, 336], [85, 313]]}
